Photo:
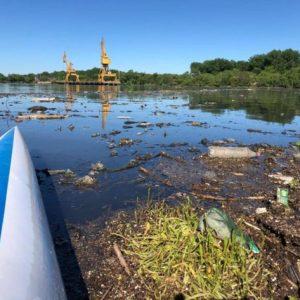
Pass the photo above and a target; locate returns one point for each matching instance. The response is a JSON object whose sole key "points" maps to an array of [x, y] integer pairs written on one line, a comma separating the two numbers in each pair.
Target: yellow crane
{"points": [[105, 76], [70, 71]]}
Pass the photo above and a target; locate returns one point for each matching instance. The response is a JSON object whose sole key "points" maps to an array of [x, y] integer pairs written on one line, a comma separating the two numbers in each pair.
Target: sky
{"points": [[161, 36]]}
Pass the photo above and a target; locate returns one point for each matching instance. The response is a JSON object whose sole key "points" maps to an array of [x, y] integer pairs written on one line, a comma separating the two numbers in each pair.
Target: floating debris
{"points": [[67, 172], [251, 130], [261, 210], [125, 142], [283, 178], [198, 124], [98, 166], [112, 145], [123, 117], [96, 134], [283, 196], [144, 170], [144, 124], [44, 99], [71, 127], [130, 122], [219, 142], [296, 156], [210, 175], [86, 181], [161, 124], [138, 160], [35, 109], [193, 150], [177, 144], [113, 153], [231, 152], [204, 141], [21, 118], [230, 140], [115, 132]]}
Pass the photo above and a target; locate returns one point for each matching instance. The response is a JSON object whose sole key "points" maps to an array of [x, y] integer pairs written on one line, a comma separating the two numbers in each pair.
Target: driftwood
{"points": [[147, 172], [221, 198], [144, 170], [121, 259], [211, 197], [166, 155], [138, 160], [252, 226], [254, 198], [106, 293]]}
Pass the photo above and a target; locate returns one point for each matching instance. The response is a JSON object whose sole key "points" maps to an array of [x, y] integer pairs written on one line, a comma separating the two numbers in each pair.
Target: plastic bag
{"points": [[224, 227]]}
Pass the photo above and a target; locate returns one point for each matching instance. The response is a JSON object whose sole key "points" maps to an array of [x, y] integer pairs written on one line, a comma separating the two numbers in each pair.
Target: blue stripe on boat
{"points": [[6, 143]]}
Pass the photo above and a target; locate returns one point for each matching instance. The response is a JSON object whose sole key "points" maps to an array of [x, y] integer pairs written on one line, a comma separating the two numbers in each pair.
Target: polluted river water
{"points": [[133, 133]]}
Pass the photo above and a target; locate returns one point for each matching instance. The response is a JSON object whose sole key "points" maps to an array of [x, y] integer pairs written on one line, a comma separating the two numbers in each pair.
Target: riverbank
{"points": [[243, 188]]}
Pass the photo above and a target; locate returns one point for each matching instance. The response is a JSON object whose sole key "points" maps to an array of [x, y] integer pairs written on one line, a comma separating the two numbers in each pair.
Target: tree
{"points": [[242, 65], [283, 60], [257, 63], [2, 78], [212, 66]]}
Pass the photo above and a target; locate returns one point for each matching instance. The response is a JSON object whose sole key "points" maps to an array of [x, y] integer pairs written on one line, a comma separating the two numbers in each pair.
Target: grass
{"points": [[172, 257]]}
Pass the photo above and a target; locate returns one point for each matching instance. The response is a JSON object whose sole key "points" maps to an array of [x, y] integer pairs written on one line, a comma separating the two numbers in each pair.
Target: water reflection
{"points": [[70, 91], [271, 106], [106, 94]]}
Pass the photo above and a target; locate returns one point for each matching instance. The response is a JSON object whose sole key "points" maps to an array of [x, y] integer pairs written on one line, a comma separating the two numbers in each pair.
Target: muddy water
{"points": [[98, 119]]}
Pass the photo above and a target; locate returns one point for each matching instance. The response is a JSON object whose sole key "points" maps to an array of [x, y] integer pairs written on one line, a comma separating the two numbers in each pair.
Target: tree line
{"points": [[277, 68]]}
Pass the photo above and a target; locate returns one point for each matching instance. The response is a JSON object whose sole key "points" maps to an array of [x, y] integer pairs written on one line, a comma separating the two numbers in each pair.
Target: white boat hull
{"points": [[28, 264]]}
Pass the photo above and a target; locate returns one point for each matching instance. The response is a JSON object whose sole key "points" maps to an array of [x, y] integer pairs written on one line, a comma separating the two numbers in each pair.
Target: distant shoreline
{"points": [[166, 88], [277, 68]]}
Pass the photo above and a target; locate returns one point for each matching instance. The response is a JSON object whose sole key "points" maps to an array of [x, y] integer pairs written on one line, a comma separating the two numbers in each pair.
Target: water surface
{"points": [[247, 116]]}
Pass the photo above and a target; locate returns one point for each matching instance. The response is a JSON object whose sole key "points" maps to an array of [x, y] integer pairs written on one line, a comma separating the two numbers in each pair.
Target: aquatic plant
{"points": [[172, 257]]}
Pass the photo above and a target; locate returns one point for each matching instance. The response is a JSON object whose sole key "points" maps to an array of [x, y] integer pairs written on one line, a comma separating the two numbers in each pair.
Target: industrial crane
{"points": [[105, 76], [70, 71]]}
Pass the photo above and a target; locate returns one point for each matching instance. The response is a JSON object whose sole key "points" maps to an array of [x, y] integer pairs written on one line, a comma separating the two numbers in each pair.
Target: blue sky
{"points": [[149, 36]]}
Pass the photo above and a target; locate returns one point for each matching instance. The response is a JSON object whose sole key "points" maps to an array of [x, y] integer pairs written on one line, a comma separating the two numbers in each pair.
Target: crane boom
{"points": [[70, 71], [105, 60], [105, 76]]}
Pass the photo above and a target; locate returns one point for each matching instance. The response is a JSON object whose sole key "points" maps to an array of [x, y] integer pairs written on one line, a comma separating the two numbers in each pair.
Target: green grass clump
{"points": [[173, 257], [295, 184]]}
